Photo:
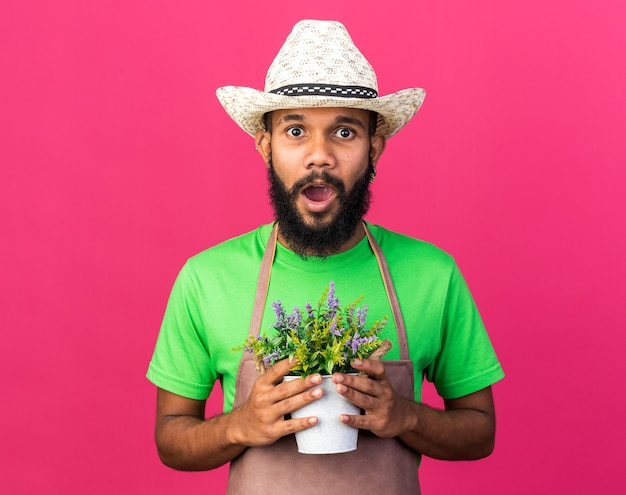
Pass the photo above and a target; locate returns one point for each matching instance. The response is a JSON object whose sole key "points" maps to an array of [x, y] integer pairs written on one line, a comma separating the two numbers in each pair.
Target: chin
{"points": [[318, 220]]}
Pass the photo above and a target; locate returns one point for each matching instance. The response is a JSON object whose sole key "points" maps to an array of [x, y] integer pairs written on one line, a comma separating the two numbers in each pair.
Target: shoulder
{"points": [[400, 249], [235, 253]]}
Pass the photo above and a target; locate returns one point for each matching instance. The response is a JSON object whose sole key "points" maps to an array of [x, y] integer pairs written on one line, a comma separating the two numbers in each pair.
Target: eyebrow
{"points": [[292, 117], [350, 120]]}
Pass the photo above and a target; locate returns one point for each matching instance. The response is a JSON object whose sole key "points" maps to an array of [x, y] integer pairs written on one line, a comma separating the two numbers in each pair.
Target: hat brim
{"points": [[246, 106]]}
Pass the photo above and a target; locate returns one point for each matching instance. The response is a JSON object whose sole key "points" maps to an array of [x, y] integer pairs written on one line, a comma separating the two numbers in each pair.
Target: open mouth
{"points": [[318, 197], [317, 193]]}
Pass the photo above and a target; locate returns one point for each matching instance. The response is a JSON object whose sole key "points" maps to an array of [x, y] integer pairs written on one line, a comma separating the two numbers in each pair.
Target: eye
{"points": [[295, 131], [344, 132]]}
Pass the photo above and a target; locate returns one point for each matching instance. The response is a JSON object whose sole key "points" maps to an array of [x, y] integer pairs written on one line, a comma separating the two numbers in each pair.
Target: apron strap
{"points": [[391, 294], [263, 282], [264, 278]]}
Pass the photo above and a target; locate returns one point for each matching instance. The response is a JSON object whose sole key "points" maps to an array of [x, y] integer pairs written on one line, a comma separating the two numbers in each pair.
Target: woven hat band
{"points": [[326, 90]]}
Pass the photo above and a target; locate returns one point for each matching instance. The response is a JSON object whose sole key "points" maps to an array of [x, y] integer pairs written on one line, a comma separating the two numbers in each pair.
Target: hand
{"points": [[386, 413], [261, 419]]}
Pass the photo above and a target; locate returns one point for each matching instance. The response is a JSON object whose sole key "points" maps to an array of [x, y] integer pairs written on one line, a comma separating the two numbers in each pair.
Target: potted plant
{"points": [[322, 339]]}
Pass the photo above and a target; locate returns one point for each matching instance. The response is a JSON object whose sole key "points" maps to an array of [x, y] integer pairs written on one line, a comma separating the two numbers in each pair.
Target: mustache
{"points": [[314, 177]]}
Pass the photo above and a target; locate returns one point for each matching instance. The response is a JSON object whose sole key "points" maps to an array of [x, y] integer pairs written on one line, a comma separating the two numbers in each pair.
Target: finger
{"points": [[269, 388], [366, 422], [362, 399], [355, 421], [299, 424], [298, 401], [294, 394], [298, 385], [374, 368], [277, 372], [364, 384]]}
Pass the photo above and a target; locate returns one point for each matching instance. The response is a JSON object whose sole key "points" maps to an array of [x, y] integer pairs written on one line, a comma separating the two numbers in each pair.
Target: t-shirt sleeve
{"points": [[467, 361], [181, 362]]}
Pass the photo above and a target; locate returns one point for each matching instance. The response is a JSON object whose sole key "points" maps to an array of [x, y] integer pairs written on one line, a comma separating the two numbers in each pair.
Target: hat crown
{"points": [[320, 52], [319, 66]]}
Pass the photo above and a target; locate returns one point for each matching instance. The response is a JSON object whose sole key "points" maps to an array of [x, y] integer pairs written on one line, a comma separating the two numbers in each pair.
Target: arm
{"points": [[187, 441], [465, 430]]}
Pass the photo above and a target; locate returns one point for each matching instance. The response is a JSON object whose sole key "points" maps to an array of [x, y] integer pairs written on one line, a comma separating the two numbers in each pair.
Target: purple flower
{"points": [[361, 314], [333, 328], [351, 315], [278, 309], [293, 320], [269, 359], [280, 315], [309, 310], [355, 343], [332, 301]]}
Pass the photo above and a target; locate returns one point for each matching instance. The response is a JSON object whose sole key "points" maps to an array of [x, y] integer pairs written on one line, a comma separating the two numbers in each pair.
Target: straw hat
{"points": [[319, 66]]}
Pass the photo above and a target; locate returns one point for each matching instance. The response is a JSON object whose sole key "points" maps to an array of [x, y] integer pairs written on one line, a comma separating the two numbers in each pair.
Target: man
{"points": [[321, 129]]}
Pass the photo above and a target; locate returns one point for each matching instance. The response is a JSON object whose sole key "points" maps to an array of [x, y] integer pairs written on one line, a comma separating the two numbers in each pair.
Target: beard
{"points": [[320, 238]]}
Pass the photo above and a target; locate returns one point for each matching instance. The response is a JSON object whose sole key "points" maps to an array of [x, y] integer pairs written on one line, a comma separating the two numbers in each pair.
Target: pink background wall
{"points": [[117, 163]]}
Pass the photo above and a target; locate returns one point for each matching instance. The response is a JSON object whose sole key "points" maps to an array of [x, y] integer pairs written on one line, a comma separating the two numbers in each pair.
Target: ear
{"points": [[263, 145], [377, 147]]}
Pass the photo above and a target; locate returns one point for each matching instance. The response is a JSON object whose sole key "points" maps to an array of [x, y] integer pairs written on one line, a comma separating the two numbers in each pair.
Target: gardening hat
{"points": [[319, 66]]}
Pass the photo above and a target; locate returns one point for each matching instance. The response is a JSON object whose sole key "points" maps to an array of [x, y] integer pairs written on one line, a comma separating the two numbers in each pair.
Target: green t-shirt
{"points": [[210, 308]]}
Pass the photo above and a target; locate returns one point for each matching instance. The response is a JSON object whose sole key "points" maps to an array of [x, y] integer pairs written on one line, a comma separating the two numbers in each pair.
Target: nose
{"points": [[320, 152]]}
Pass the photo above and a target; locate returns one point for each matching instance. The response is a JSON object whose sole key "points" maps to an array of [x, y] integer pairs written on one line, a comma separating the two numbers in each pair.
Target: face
{"points": [[320, 163]]}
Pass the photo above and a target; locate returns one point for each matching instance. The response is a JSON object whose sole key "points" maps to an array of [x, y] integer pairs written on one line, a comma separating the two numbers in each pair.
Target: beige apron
{"points": [[378, 465]]}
